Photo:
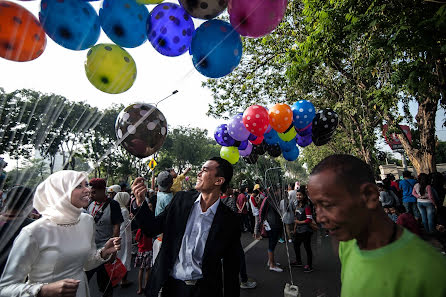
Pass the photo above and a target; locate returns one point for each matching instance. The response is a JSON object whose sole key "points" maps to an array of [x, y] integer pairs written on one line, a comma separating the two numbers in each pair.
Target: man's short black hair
{"points": [[407, 173], [224, 169], [350, 171], [18, 198]]}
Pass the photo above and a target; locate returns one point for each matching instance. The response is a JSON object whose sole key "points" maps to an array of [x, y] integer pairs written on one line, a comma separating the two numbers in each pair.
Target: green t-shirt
{"points": [[405, 268]]}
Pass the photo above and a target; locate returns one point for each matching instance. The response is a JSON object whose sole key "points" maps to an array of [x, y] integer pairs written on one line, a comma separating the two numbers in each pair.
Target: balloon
{"points": [[170, 29], [258, 140], [222, 136], [322, 139], [72, 24], [304, 141], [287, 145], [110, 68], [148, 137], [237, 129], [256, 120], [216, 48], [247, 151], [308, 130], [271, 137], [255, 18], [325, 122], [287, 136], [280, 117], [230, 153], [251, 159], [21, 36], [124, 22], [259, 149], [274, 150], [149, 1], [204, 9], [303, 113], [291, 155]]}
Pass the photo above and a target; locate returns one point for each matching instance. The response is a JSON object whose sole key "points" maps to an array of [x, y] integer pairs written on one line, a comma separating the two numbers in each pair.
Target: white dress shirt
{"points": [[190, 257]]}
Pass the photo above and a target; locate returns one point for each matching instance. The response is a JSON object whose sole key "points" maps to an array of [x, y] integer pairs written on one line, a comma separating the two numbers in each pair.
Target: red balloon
{"points": [[256, 120], [21, 35], [258, 140]]}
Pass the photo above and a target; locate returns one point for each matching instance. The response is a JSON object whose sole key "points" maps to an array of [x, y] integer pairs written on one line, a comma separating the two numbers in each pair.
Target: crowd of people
{"points": [[58, 236]]}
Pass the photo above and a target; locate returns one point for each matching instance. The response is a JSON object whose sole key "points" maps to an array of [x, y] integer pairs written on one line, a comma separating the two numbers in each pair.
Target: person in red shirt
{"points": [[143, 259], [243, 211]]}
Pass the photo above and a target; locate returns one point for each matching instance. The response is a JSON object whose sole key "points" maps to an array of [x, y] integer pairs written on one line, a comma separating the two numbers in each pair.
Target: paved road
{"points": [[324, 281]]}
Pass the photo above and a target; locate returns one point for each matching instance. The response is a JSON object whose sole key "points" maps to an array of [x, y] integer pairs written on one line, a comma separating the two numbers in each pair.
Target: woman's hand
{"points": [[111, 246], [63, 288], [139, 189]]}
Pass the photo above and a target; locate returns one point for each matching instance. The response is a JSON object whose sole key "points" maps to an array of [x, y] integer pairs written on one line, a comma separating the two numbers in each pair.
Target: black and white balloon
{"points": [[146, 138], [204, 9], [324, 125]]}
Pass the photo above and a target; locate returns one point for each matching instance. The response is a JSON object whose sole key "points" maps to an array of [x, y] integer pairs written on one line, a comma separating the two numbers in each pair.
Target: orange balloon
{"points": [[280, 117], [21, 35]]}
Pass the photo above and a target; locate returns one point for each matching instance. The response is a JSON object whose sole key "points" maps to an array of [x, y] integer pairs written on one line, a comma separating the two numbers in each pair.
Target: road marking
{"points": [[246, 249]]}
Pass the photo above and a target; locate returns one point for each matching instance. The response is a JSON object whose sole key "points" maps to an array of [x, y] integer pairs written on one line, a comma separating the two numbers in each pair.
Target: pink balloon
{"points": [[256, 18]]}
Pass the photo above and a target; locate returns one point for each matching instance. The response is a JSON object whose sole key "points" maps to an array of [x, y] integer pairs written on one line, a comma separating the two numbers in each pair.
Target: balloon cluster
{"points": [[281, 130], [215, 46]]}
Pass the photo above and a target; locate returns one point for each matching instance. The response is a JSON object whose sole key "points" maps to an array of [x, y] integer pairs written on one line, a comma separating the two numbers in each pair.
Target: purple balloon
{"points": [[252, 137], [243, 145], [237, 129], [305, 131], [304, 141], [222, 137], [247, 151]]}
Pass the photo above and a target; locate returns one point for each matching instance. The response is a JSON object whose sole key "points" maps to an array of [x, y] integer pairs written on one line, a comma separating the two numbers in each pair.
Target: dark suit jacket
{"points": [[223, 243]]}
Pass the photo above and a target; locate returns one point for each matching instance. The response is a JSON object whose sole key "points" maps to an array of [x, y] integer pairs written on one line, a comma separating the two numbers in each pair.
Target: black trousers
{"points": [[178, 288], [304, 238], [103, 280]]}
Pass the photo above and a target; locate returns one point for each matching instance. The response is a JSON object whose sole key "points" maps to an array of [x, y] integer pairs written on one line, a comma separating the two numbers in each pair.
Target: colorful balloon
{"points": [[304, 141], [257, 140], [287, 145], [325, 122], [21, 35], [308, 130], [280, 117], [72, 24], [204, 9], [110, 68], [146, 138], [124, 22], [246, 151], [237, 129], [251, 159], [230, 153], [170, 29], [216, 49], [256, 120], [222, 136], [303, 113], [259, 149], [255, 18], [271, 137], [274, 150], [292, 154], [287, 136]]}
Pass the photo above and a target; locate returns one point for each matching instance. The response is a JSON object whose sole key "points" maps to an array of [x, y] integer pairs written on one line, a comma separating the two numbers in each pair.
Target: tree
{"points": [[32, 174]]}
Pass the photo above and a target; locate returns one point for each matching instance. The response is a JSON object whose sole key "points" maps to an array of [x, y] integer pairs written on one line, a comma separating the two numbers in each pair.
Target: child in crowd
{"points": [[143, 259]]}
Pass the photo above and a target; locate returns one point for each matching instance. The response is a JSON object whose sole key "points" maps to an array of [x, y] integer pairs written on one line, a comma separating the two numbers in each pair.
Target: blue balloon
{"points": [[304, 141], [124, 22], [271, 137], [287, 145], [308, 130], [303, 113], [72, 24], [170, 29], [216, 48], [243, 145], [222, 136], [291, 155]]}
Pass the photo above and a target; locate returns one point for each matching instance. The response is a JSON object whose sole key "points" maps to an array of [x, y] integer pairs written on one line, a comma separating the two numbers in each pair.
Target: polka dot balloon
{"points": [[288, 135], [230, 153], [255, 119], [325, 122], [303, 113], [72, 24], [292, 154], [146, 138], [237, 129], [280, 117], [124, 22], [204, 9], [19, 22], [222, 136], [170, 29], [110, 68]]}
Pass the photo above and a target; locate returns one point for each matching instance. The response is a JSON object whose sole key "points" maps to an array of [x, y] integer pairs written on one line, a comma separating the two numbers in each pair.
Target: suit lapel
{"points": [[216, 226]]}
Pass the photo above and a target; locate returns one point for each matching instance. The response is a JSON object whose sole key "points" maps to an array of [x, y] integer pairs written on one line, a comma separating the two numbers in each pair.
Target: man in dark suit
{"points": [[200, 235]]}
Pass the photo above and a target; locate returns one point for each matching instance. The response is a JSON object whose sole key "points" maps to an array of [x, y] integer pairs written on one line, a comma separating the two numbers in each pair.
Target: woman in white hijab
{"points": [[125, 254], [53, 251]]}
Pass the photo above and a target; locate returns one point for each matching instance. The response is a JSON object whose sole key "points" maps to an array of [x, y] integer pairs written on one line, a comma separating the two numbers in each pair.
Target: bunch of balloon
{"points": [[324, 126]]}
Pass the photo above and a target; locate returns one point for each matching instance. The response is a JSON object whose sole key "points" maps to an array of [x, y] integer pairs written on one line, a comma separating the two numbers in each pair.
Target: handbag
{"points": [[116, 271]]}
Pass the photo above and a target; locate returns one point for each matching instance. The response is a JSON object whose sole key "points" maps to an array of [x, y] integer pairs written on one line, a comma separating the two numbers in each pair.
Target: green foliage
{"points": [[440, 156], [30, 175]]}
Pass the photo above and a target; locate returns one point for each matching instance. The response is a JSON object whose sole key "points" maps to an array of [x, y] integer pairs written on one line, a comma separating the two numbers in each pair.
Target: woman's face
{"points": [[80, 195], [299, 196]]}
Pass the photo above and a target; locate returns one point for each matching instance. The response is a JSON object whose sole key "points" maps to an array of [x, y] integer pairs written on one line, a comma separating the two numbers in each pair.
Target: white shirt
{"points": [[190, 257]]}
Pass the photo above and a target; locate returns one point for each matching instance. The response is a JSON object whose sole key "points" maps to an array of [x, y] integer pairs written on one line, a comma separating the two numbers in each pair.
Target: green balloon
{"points": [[230, 153], [288, 135]]}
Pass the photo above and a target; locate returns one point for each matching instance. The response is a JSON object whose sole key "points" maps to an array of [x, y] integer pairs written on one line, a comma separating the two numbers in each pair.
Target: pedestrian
{"points": [[255, 204], [125, 254], [113, 190], [52, 252], [303, 230], [177, 179], [407, 220], [143, 259], [378, 258], [387, 197], [242, 210], [287, 208], [108, 218], [201, 236], [426, 202], [164, 195], [409, 200]]}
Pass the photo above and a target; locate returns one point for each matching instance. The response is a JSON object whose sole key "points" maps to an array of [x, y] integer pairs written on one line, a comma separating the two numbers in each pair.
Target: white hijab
{"points": [[123, 199], [53, 196]]}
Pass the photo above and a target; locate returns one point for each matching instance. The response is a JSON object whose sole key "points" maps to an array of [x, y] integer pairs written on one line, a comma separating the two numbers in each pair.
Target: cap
{"points": [[164, 180], [256, 187], [114, 188]]}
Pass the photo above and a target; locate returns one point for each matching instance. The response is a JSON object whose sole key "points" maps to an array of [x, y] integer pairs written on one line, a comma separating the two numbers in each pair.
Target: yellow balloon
{"points": [[110, 68], [288, 135], [149, 1], [230, 153]]}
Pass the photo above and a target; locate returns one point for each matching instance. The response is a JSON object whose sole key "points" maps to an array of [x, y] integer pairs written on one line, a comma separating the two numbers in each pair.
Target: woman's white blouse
{"points": [[46, 252]]}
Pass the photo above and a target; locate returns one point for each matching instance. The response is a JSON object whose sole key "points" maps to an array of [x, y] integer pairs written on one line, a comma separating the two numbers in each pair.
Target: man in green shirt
{"points": [[378, 257]]}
